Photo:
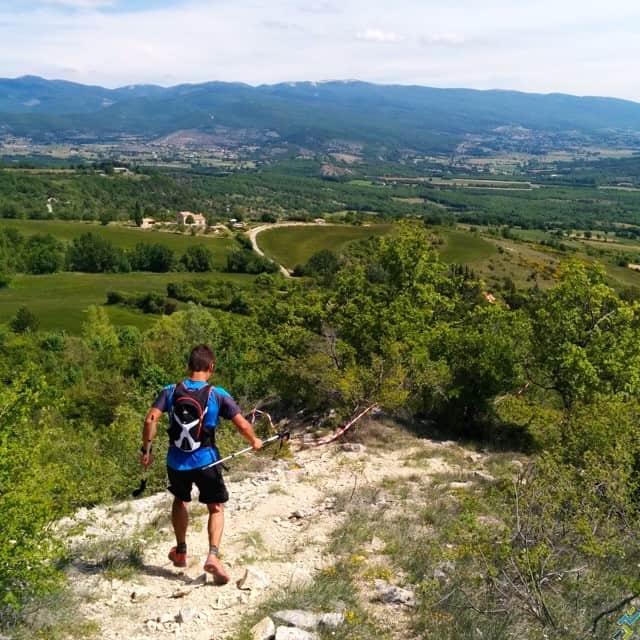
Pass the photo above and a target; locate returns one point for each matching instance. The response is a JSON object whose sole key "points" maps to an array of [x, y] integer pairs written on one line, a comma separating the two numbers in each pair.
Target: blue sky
{"points": [[573, 46]]}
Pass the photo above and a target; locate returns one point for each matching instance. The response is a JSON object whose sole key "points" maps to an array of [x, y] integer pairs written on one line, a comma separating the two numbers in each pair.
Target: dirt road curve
{"points": [[253, 233]]}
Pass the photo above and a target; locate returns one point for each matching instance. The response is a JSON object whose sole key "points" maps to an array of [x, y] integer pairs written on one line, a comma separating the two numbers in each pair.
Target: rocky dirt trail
{"points": [[277, 528]]}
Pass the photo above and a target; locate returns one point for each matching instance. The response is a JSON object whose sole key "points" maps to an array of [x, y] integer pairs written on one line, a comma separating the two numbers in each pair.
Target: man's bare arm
{"points": [[246, 431], [149, 431]]}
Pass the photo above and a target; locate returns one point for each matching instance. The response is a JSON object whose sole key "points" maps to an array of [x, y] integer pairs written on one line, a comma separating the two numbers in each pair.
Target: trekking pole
{"points": [[143, 480], [283, 435], [143, 484]]}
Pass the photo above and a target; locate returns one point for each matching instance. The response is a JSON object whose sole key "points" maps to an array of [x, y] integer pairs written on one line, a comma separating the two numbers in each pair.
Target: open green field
{"points": [[60, 300], [526, 263], [125, 237], [464, 247], [620, 277], [362, 183], [294, 245]]}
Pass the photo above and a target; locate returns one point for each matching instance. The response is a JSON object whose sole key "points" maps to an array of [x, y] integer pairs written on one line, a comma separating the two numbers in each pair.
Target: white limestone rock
{"points": [[331, 620], [253, 579], [297, 618], [186, 615], [397, 595], [293, 633], [264, 630], [353, 447], [483, 475]]}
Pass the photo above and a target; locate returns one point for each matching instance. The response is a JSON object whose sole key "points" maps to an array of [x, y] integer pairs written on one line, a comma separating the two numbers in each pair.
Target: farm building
{"points": [[191, 219]]}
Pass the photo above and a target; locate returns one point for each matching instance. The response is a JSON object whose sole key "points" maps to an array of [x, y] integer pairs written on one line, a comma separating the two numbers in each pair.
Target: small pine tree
{"points": [[24, 321], [137, 214]]}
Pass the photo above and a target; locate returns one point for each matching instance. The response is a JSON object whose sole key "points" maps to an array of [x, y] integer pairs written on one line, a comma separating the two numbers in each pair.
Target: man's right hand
{"points": [[256, 444]]}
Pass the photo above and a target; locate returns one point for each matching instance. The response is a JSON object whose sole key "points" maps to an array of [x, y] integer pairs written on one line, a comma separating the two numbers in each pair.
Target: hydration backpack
{"points": [[189, 408]]}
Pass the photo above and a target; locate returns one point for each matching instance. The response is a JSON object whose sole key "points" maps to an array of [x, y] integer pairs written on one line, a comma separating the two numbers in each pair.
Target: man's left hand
{"points": [[146, 460]]}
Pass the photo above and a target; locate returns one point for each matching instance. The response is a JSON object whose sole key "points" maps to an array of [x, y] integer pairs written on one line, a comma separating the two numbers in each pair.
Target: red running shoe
{"points": [[215, 568], [178, 559]]}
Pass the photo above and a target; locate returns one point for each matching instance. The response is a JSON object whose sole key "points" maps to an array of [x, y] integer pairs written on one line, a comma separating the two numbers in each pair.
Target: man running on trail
{"points": [[194, 408]]}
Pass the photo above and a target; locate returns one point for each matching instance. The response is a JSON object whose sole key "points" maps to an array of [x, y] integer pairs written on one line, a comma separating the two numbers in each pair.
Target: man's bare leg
{"points": [[180, 520], [215, 528], [216, 524]]}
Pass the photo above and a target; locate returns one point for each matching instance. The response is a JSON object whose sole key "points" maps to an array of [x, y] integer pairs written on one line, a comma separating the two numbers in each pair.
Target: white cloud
{"points": [[317, 7], [79, 4], [378, 35], [453, 39]]}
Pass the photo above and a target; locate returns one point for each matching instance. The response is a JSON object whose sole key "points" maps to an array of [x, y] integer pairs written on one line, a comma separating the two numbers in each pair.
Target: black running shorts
{"points": [[209, 482]]}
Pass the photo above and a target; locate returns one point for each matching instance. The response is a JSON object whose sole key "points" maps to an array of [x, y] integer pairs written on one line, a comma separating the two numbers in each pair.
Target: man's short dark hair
{"points": [[200, 358]]}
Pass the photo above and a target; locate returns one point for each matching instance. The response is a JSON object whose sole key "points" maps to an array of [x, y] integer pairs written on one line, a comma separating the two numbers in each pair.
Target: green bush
{"points": [[25, 321], [245, 261], [93, 254], [198, 258]]}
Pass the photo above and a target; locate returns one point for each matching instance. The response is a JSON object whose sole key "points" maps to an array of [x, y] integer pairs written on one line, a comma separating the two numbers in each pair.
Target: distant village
{"points": [[197, 221]]}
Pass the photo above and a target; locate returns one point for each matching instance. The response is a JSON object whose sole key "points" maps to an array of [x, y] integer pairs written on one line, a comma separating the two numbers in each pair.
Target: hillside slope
{"points": [[279, 524], [302, 113]]}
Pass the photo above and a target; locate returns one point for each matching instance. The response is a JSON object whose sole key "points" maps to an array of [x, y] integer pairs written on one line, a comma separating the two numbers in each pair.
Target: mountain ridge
{"points": [[303, 113]]}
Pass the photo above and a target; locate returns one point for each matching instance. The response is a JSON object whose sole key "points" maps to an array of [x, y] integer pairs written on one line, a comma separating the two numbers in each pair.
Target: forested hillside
{"points": [[303, 113]]}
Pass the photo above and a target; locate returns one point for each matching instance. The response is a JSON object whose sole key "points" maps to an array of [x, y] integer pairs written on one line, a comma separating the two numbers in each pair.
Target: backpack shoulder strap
{"points": [[172, 391], [217, 395]]}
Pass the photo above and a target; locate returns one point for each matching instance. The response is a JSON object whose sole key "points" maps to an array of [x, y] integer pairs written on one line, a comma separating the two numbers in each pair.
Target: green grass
{"points": [[332, 589], [125, 237], [362, 183], [622, 276], [291, 246], [534, 235], [60, 300], [464, 247]]}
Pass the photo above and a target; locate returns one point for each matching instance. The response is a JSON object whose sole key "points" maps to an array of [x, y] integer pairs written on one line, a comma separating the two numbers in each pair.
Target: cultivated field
{"points": [[60, 300], [464, 247], [291, 246]]}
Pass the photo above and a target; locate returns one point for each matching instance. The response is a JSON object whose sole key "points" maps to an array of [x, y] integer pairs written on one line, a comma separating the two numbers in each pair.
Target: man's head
{"points": [[201, 359]]}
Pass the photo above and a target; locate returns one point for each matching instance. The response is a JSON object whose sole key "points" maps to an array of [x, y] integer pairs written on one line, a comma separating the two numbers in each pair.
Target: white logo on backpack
{"points": [[193, 445]]}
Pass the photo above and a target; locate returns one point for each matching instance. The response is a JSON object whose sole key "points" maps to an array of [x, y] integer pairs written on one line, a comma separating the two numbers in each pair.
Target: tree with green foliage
{"points": [[323, 265], [137, 214], [9, 210], [245, 261], [198, 258], [25, 321], [43, 254], [92, 253], [584, 337], [11, 248], [154, 257], [27, 498]]}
